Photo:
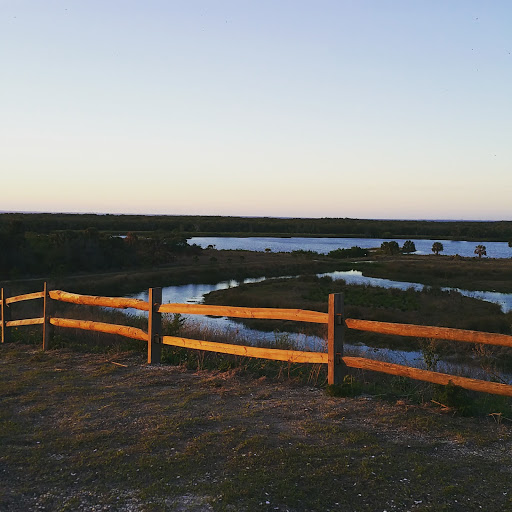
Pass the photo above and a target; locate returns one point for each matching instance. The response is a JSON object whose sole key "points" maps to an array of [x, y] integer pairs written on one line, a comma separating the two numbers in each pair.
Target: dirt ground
{"points": [[95, 432]]}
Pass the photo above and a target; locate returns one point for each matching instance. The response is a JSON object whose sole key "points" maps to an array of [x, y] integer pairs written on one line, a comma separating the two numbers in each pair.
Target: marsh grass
{"points": [[487, 274], [429, 307]]}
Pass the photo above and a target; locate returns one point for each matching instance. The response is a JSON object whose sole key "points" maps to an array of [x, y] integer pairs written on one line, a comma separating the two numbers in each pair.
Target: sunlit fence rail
{"points": [[335, 320]]}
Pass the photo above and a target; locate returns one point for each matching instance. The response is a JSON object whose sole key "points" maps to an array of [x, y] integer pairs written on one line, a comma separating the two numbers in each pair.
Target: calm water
{"points": [[194, 293], [325, 245]]}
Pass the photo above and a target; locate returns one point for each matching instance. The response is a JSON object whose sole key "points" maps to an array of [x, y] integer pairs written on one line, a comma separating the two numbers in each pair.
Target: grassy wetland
{"points": [[487, 274]]}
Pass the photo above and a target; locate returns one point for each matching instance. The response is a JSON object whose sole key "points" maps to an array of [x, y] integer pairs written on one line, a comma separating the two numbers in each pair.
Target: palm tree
{"points": [[437, 247], [480, 250]]}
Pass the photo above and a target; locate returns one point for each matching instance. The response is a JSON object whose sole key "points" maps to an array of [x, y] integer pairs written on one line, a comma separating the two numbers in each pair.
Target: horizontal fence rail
{"points": [[291, 356], [297, 315], [336, 324], [88, 325], [27, 321], [27, 296], [424, 331], [93, 300], [428, 376]]}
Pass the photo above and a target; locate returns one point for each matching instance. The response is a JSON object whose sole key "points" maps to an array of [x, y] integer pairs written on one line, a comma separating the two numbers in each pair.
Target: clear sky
{"points": [[361, 108]]}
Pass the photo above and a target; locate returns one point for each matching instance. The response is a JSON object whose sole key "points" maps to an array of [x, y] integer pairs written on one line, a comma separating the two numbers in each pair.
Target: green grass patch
{"points": [[165, 436]]}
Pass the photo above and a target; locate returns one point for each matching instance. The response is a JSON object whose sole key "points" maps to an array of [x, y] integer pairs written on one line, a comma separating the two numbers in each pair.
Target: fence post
{"points": [[154, 326], [335, 338], [47, 327], [6, 316]]}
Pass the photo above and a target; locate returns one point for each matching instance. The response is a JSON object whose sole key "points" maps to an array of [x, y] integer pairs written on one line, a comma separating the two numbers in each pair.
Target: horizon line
{"points": [[245, 216]]}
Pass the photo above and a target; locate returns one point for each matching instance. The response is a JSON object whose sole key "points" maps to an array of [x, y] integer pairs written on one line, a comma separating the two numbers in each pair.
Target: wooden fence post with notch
{"points": [[6, 317], [154, 326], [335, 339], [47, 327]]}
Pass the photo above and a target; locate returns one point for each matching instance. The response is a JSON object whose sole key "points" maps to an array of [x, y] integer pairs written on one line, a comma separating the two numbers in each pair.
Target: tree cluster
{"points": [[25, 254], [392, 247]]}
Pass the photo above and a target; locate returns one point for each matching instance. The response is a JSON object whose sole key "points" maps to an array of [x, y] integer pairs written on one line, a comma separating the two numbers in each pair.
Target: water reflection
{"points": [[194, 293]]}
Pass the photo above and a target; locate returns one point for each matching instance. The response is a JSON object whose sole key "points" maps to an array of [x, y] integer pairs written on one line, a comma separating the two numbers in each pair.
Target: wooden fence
{"points": [[337, 325]]}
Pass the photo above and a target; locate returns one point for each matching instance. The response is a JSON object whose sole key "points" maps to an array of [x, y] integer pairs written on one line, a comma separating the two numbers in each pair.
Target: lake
{"points": [[325, 245]]}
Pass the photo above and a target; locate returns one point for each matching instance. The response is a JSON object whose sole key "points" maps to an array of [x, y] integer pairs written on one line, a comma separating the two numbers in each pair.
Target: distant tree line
{"points": [[27, 253], [190, 225]]}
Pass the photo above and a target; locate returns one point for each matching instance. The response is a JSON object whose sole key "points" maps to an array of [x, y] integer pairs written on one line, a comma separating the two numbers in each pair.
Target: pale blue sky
{"points": [[370, 109]]}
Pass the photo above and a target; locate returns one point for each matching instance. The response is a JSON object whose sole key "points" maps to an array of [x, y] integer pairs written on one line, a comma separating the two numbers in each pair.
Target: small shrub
{"points": [[456, 397], [173, 324], [349, 387], [430, 353], [353, 252], [305, 253]]}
